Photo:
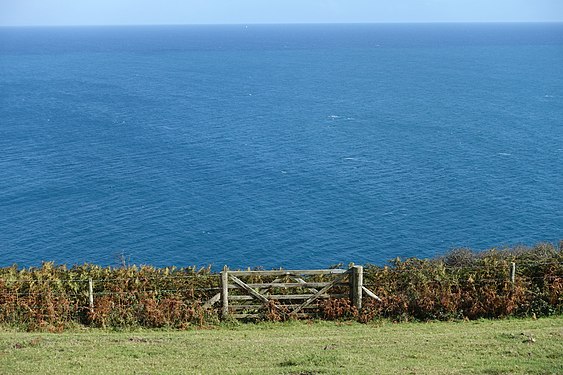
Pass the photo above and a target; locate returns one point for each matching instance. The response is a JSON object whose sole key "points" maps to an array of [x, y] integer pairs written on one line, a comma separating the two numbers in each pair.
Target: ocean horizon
{"points": [[284, 145]]}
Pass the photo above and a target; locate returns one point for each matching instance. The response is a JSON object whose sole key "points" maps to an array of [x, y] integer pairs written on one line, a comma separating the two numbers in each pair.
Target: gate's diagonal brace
{"points": [[319, 293], [371, 294], [212, 301], [252, 292]]}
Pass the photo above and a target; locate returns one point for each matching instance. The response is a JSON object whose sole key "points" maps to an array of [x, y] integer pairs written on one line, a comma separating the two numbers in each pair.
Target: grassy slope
{"points": [[486, 347]]}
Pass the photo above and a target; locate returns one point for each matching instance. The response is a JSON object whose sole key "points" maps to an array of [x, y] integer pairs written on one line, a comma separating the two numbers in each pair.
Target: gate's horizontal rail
{"points": [[257, 307], [287, 285], [256, 316], [335, 271], [286, 297]]}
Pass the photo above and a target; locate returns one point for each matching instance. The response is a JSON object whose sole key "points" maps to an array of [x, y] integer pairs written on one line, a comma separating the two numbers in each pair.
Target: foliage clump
{"points": [[52, 297], [470, 285]]}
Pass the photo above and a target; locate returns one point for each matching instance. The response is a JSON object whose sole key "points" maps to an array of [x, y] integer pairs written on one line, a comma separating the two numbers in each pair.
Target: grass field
{"points": [[483, 347]]}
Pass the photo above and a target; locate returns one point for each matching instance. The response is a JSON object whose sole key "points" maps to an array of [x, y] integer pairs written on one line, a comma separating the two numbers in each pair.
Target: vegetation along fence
{"points": [[523, 281]]}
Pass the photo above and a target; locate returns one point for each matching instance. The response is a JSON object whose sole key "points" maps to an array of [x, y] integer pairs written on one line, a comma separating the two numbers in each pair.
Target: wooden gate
{"points": [[297, 293]]}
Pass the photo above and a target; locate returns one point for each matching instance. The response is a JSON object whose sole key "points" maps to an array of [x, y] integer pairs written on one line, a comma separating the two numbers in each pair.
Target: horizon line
{"points": [[285, 23]]}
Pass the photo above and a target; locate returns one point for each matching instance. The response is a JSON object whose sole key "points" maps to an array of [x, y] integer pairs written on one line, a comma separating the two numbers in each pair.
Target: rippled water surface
{"points": [[295, 146]]}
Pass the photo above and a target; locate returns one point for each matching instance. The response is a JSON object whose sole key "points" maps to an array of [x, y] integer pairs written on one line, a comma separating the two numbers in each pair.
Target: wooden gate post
{"points": [[225, 292], [356, 285], [90, 294]]}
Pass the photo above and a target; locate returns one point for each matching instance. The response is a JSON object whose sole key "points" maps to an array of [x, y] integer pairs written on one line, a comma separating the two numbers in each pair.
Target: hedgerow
{"points": [[462, 284]]}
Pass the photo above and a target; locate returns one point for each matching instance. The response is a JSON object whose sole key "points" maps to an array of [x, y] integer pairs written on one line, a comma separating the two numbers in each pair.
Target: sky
{"points": [[150, 12]]}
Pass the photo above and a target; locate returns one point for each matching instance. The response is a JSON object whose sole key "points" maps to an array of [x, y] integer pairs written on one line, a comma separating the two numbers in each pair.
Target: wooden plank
{"points": [[240, 298], [213, 300], [239, 307], [244, 316], [286, 285], [256, 316], [336, 271], [257, 307], [319, 293], [371, 294], [287, 296], [252, 292]]}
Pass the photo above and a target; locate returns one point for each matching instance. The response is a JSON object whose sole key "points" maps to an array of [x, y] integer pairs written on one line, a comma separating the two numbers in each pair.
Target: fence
{"points": [[490, 285]]}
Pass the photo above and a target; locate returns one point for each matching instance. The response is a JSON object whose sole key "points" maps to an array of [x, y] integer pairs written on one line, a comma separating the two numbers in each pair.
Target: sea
{"points": [[295, 146]]}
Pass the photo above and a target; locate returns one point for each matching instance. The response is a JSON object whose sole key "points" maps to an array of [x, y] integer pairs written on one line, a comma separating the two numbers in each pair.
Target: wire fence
{"points": [[488, 287], [64, 287]]}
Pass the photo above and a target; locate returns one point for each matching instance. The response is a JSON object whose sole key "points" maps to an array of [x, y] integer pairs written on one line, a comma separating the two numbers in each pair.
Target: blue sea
{"points": [[297, 146]]}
